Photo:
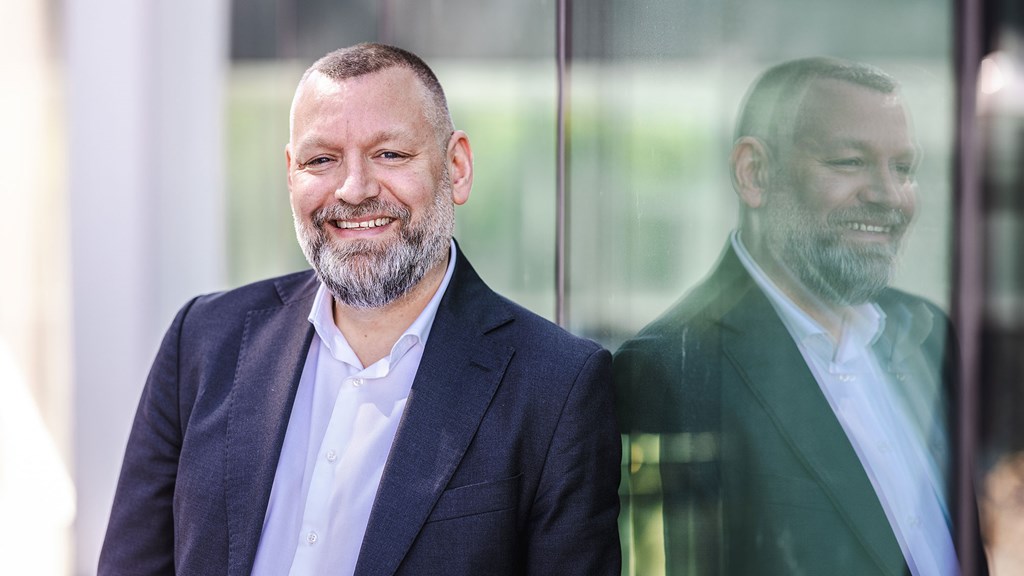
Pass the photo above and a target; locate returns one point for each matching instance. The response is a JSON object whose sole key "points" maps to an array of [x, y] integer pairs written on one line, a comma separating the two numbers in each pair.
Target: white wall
{"points": [[144, 89]]}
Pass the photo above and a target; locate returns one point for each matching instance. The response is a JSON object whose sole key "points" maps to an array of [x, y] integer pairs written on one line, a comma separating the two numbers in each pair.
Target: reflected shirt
{"points": [[338, 438], [891, 448]]}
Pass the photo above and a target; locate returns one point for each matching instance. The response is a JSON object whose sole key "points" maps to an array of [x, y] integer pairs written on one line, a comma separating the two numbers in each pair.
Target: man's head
{"points": [[824, 166], [374, 171]]}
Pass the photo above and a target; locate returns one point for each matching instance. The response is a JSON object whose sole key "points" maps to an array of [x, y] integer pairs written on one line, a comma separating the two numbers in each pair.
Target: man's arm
{"points": [[140, 534], [574, 520]]}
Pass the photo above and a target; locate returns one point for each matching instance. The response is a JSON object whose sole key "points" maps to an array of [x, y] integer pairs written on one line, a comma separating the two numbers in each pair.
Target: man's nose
{"points": [[359, 183], [891, 186]]}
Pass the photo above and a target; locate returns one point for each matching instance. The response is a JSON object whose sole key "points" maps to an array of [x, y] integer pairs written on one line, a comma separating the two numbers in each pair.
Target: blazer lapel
{"points": [[771, 366], [457, 377], [273, 352]]}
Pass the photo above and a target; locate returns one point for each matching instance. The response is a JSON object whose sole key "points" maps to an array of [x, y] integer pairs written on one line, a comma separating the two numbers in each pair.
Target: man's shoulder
{"points": [[269, 291], [894, 297], [228, 308], [471, 303], [545, 335], [912, 318], [726, 292], [668, 372]]}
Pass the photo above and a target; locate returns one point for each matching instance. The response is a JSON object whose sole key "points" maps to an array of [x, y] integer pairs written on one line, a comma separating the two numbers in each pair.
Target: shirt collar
{"points": [[860, 329], [322, 318]]}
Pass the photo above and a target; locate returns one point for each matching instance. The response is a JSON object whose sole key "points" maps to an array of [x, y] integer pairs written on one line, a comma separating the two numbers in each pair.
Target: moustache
{"points": [[873, 215], [369, 207]]}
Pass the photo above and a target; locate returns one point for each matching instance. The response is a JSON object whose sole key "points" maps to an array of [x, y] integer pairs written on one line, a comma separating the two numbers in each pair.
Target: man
{"points": [[388, 414], [801, 404]]}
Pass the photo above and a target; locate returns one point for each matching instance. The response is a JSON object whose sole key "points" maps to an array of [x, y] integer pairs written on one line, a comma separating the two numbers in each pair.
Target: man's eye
{"points": [[318, 161], [846, 162], [904, 169], [390, 155]]}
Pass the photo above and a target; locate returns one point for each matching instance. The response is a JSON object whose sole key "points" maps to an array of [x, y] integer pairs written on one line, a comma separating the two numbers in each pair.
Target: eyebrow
{"points": [[381, 136], [911, 148]]}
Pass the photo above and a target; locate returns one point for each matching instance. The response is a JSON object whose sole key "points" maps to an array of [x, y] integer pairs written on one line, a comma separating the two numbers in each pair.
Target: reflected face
{"points": [[369, 187], [845, 192]]}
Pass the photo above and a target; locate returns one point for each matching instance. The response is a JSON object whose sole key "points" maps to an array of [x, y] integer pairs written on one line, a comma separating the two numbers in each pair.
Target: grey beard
{"points": [[836, 272], [373, 274]]}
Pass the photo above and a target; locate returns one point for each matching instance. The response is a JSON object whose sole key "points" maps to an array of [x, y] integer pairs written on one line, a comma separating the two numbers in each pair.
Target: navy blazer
{"points": [[506, 460], [757, 475]]}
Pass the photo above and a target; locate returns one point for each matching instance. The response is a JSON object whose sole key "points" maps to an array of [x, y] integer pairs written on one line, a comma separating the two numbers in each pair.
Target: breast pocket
{"points": [[477, 499]]}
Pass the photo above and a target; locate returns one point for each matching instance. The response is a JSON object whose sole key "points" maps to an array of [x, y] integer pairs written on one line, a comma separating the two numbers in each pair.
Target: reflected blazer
{"points": [[757, 474], [506, 460]]}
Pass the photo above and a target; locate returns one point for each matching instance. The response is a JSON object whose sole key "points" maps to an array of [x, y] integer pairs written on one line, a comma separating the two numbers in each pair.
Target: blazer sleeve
{"points": [[140, 533], [574, 520]]}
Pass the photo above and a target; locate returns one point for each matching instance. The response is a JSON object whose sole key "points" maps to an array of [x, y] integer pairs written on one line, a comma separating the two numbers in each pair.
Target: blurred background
{"points": [[143, 163]]}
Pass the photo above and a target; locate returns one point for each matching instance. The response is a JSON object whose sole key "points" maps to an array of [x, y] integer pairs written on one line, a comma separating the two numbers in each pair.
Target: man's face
{"points": [[369, 185], [844, 194]]}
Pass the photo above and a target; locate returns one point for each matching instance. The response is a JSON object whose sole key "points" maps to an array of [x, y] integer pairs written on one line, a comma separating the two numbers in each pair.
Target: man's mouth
{"points": [[871, 223], [865, 227], [364, 224]]}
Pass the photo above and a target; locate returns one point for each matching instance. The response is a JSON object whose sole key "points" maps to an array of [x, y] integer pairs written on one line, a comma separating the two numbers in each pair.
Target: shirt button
{"points": [[311, 537], [357, 382], [332, 455]]}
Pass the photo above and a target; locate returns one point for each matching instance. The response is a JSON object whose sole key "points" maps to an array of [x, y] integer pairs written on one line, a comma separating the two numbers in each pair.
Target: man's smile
{"points": [[862, 227], [351, 224]]}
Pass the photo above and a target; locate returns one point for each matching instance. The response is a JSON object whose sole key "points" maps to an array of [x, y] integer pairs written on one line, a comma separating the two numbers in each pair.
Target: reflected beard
{"points": [[835, 270], [370, 273]]}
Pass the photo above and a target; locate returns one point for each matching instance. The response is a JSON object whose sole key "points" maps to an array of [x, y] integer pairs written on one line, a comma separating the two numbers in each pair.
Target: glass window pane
{"points": [[777, 289]]}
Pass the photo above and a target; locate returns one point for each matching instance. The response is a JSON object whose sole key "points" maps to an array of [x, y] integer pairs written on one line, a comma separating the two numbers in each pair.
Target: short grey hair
{"points": [[771, 106]]}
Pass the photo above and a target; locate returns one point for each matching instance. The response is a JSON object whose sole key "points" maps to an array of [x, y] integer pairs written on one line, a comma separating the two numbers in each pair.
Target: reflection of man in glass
{"points": [[800, 404]]}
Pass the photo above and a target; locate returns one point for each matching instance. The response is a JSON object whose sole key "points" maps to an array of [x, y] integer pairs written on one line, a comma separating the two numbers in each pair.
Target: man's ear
{"points": [[288, 162], [460, 166], [750, 170]]}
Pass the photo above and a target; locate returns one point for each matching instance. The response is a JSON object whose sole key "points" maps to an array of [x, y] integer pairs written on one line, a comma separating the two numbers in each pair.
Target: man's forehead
{"points": [[393, 78], [830, 98], [386, 87], [831, 107]]}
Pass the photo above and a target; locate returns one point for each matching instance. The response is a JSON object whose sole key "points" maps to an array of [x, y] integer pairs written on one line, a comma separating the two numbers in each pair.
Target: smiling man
{"points": [[386, 412], [799, 402]]}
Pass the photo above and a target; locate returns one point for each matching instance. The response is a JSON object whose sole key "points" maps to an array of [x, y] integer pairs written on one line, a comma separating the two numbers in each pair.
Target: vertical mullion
{"points": [[968, 293], [562, 29]]}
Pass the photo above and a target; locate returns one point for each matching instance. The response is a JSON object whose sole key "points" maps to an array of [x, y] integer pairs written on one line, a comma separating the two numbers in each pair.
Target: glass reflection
{"points": [[795, 404]]}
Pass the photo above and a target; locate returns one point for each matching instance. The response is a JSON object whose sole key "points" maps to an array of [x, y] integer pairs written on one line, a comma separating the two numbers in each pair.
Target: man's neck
{"points": [[372, 332], [830, 316]]}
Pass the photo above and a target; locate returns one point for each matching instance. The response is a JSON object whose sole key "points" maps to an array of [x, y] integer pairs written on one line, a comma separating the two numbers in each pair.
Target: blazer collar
{"points": [[272, 354], [300, 286]]}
